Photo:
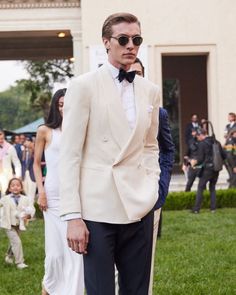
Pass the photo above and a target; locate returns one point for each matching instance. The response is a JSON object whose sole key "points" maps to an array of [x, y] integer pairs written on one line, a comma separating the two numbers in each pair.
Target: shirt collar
{"points": [[113, 70]]}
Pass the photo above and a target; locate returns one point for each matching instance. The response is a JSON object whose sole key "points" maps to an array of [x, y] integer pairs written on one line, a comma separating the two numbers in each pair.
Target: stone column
{"points": [[77, 52]]}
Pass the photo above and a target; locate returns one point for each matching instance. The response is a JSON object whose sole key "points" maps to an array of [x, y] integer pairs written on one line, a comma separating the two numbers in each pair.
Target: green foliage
{"points": [[16, 110], [43, 76], [185, 200]]}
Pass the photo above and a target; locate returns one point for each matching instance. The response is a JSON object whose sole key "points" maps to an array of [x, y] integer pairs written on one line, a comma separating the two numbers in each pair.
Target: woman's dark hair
{"points": [[54, 119], [9, 184], [138, 61]]}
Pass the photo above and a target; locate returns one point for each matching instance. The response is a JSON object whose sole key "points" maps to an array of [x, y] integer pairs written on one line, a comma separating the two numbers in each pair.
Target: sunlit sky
{"points": [[10, 71]]}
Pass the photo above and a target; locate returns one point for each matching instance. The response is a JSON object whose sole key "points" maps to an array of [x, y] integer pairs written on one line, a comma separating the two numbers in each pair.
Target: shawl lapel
{"points": [[118, 122], [126, 138]]}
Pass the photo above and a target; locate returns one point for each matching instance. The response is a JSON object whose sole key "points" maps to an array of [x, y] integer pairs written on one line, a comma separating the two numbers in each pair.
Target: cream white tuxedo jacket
{"points": [[108, 172], [10, 210]]}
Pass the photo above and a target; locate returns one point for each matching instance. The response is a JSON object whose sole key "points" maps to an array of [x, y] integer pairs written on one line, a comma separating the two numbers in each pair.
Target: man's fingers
{"points": [[86, 237]]}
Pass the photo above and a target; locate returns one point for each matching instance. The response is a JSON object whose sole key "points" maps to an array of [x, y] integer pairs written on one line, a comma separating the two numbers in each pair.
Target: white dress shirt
{"points": [[126, 91]]}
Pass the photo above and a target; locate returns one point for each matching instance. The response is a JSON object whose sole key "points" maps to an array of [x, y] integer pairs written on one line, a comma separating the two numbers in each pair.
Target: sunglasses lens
{"points": [[137, 40], [123, 40]]}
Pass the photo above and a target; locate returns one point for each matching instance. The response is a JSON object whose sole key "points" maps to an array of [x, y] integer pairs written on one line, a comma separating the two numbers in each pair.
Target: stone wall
{"points": [[19, 4]]}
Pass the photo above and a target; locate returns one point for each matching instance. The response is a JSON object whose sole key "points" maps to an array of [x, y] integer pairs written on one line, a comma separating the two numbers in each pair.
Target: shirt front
{"points": [[126, 92]]}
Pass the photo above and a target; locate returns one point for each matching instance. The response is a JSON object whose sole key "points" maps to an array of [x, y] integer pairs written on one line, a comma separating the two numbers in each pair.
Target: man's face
{"points": [[231, 118], [22, 139], [137, 68], [194, 118], [17, 139], [200, 137], [122, 56]]}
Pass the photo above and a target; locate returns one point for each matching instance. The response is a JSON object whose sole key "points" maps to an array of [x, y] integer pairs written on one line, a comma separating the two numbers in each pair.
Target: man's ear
{"points": [[106, 43]]}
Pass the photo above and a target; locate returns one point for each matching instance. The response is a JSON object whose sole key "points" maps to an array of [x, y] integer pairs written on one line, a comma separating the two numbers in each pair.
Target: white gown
{"points": [[64, 273]]}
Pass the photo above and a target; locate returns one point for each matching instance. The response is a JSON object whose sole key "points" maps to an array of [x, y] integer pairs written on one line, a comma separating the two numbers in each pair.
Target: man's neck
{"points": [[119, 66]]}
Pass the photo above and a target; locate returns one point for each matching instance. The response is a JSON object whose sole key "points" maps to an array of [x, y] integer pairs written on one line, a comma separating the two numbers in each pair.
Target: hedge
{"points": [[185, 200]]}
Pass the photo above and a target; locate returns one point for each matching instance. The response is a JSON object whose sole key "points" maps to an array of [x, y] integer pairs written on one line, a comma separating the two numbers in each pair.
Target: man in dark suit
{"points": [[232, 123], [166, 160], [193, 125]]}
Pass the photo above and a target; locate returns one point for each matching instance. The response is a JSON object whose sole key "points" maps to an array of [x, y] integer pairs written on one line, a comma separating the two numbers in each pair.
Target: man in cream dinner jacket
{"points": [[109, 165]]}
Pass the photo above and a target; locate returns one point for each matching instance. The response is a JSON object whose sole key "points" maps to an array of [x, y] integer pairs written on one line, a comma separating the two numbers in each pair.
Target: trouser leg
{"points": [[155, 231], [133, 256], [192, 174], [201, 186], [9, 252], [99, 262], [159, 226], [212, 188], [16, 245]]}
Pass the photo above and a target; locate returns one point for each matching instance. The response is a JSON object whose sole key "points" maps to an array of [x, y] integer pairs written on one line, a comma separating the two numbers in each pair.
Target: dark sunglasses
{"points": [[124, 40]]}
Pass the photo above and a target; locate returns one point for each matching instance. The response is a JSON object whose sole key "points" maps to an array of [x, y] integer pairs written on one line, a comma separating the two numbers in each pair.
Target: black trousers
{"points": [[129, 247], [210, 176], [192, 174]]}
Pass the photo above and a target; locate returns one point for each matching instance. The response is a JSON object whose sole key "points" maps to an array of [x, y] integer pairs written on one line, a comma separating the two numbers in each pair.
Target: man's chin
{"points": [[129, 61]]}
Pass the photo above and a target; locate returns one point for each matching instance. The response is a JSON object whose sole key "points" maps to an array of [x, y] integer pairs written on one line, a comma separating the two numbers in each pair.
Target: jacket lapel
{"points": [[134, 138], [119, 125]]}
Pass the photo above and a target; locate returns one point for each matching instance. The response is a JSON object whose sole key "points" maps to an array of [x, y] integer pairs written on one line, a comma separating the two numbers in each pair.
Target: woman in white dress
{"points": [[63, 267]]}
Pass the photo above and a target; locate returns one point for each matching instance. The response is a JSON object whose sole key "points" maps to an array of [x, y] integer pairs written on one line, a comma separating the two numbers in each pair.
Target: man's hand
{"points": [[77, 235], [193, 162]]}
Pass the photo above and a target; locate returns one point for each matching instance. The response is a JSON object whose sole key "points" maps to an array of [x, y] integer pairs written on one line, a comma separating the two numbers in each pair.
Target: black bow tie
{"points": [[129, 76]]}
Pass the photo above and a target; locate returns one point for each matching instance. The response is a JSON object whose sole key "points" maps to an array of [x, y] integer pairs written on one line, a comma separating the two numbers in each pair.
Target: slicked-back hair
{"points": [[54, 119], [115, 19], [233, 115]]}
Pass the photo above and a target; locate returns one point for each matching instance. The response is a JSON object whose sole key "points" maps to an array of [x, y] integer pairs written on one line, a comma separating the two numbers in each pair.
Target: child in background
{"points": [[17, 210]]}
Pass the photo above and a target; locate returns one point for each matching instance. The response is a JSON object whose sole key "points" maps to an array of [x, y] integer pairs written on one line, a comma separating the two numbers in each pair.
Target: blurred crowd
{"points": [[16, 159], [198, 131]]}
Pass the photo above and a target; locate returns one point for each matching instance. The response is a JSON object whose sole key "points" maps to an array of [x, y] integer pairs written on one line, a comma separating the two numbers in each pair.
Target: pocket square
{"points": [[150, 108]]}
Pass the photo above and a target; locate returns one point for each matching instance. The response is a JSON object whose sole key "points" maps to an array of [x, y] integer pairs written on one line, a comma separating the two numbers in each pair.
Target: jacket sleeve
{"points": [[16, 162], [166, 156], [151, 145], [74, 128]]}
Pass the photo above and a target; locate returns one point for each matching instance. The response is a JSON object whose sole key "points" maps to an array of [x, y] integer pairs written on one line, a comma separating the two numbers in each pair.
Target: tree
{"points": [[16, 110], [43, 76]]}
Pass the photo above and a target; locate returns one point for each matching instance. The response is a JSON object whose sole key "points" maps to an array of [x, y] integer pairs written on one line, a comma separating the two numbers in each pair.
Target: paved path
{"points": [[178, 182]]}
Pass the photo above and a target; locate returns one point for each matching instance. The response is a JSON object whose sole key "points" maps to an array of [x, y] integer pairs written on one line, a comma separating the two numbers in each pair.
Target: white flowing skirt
{"points": [[64, 272]]}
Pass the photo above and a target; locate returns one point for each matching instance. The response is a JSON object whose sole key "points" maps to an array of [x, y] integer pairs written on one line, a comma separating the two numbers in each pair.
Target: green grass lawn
{"points": [[195, 255]]}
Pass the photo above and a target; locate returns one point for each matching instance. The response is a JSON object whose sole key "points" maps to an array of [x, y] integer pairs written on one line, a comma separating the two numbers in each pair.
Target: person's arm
{"points": [[151, 144], [74, 129], [16, 162], [166, 156], [38, 152]]}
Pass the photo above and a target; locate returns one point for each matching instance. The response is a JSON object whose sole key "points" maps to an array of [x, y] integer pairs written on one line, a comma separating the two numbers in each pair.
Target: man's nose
{"points": [[130, 43]]}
